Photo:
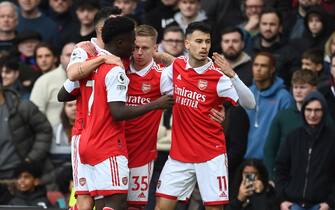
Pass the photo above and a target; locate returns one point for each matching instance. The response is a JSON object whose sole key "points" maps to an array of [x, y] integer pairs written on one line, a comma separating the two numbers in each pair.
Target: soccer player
{"points": [[102, 146], [198, 151], [141, 133], [84, 57]]}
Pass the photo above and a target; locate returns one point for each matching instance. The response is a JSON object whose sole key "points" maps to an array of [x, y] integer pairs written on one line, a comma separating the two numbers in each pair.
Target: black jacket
{"points": [[30, 130], [38, 197], [306, 161]]}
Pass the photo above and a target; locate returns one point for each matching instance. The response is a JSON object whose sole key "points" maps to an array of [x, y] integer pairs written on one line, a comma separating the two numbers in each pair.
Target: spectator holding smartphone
{"points": [[251, 189]]}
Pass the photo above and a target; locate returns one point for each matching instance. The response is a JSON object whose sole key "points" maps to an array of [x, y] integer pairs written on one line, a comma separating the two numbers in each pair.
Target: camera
{"points": [[250, 177]]}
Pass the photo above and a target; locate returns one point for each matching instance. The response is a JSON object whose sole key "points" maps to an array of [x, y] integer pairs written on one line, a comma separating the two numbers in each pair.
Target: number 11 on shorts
{"points": [[222, 181]]}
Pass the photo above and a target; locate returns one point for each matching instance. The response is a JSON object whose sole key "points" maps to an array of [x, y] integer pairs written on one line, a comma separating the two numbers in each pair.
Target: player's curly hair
{"points": [[114, 27]]}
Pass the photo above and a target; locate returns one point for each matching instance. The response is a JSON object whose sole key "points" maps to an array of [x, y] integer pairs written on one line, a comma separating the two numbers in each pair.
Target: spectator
{"points": [[26, 44], [60, 148], [190, 11], [232, 45], [252, 190], [65, 185], [252, 12], [10, 73], [318, 27], [270, 40], [329, 50], [308, 153], [44, 93], [271, 97], [62, 14], [173, 41], [128, 8], [295, 20], [161, 16], [85, 11], [312, 59], [328, 89], [45, 57], [8, 23], [25, 134], [303, 82], [31, 18], [28, 192]]}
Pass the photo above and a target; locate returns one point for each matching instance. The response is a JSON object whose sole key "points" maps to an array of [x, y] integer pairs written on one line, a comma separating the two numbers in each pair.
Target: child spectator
{"points": [[312, 59], [28, 191]]}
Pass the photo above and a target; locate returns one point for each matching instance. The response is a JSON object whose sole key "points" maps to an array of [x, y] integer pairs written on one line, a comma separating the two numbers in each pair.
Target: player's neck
{"points": [[139, 67], [197, 63]]}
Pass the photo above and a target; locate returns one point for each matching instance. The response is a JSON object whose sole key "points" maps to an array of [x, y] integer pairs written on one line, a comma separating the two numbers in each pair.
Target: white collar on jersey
{"points": [[99, 49], [200, 69], [143, 71]]}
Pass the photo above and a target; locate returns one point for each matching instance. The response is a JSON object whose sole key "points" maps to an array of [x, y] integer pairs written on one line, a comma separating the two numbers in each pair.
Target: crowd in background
{"points": [[282, 49]]}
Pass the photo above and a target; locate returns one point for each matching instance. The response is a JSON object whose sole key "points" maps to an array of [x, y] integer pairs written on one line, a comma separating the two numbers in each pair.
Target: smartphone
{"points": [[250, 177]]}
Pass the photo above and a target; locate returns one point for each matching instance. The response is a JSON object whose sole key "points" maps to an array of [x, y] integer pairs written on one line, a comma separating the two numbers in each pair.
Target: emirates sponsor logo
{"points": [[159, 184], [82, 181], [146, 87], [223, 195], [202, 84], [187, 97], [141, 195], [125, 180], [137, 100]]}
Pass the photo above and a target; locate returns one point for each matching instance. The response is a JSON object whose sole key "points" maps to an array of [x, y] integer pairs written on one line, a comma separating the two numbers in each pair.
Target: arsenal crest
{"points": [[146, 87], [125, 180], [202, 84], [82, 181]]}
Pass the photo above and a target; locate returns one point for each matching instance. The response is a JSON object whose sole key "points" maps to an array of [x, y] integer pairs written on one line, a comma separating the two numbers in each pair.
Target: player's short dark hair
{"points": [[198, 26], [105, 12], [313, 54], [114, 27], [303, 76], [270, 10], [232, 29]]}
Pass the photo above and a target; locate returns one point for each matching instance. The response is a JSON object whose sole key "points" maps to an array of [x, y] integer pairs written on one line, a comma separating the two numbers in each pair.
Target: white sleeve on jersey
{"points": [[77, 55], [246, 97], [226, 89], [166, 82], [116, 82], [70, 86]]}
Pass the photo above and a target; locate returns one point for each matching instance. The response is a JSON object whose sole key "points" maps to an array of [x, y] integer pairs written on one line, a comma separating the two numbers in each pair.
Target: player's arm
{"points": [[79, 67], [69, 91], [163, 58], [116, 83], [120, 111], [246, 98]]}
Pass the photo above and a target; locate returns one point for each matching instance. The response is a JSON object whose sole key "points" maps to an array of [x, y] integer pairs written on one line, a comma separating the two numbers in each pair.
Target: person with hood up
{"points": [[304, 168]]}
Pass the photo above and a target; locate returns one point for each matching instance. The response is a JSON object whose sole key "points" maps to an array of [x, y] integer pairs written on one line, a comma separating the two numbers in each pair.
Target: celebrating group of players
{"points": [[119, 106]]}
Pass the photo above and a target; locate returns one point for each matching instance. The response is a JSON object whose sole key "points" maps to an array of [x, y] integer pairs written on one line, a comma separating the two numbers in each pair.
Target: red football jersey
{"points": [[104, 137], [195, 136], [141, 132]]}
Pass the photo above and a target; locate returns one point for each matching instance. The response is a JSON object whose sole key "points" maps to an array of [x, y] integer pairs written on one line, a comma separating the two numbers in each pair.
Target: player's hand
{"points": [[87, 46], [286, 205], [217, 116], [223, 64], [164, 102], [112, 59], [246, 190], [324, 206]]}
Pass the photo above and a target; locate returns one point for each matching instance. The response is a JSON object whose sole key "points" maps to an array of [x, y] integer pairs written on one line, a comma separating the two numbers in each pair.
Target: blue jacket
{"points": [[268, 103]]}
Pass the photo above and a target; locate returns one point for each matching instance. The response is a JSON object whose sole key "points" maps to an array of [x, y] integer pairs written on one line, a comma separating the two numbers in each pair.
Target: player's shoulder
{"points": [[213, 69], [157, 68]]}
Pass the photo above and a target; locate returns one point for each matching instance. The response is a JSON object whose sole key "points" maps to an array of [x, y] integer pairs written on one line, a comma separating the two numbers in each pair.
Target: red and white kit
{"points": [[141, 132], [197, 141], [80, 54], [103, 144]]}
